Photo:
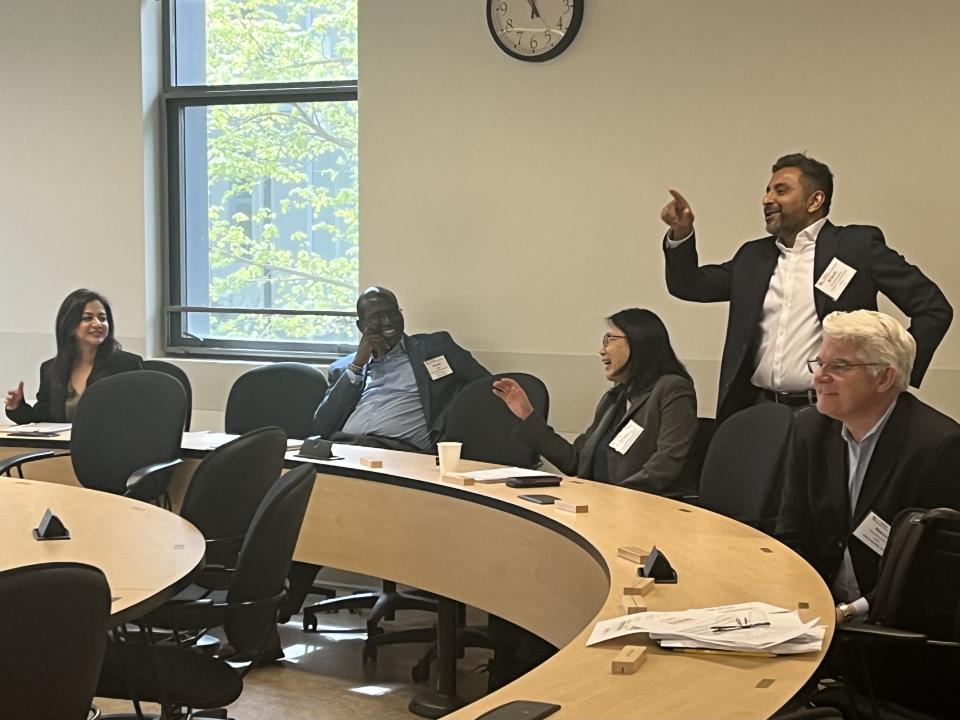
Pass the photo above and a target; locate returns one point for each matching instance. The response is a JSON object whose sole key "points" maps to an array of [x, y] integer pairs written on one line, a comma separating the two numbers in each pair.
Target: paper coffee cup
{"points": [[449, 453]]}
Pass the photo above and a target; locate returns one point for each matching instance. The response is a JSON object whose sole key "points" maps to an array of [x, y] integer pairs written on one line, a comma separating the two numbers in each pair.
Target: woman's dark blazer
{"points": [[52, 395], [667, 412]]}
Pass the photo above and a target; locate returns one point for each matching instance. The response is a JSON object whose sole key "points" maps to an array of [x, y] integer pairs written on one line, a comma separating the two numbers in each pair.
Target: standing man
{"points": [[395, 390], [868, 451], [782, 286]]}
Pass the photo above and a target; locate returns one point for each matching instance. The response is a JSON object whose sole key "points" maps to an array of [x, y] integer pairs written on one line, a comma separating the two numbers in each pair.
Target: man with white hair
{"points": [[868, 451]]}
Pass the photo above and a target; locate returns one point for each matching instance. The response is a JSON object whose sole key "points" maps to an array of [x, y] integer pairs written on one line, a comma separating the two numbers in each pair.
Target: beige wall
{"points": [[515, 204]]}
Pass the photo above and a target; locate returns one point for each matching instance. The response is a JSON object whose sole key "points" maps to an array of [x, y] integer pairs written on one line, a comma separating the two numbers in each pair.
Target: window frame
{"points": [[175, 100]]}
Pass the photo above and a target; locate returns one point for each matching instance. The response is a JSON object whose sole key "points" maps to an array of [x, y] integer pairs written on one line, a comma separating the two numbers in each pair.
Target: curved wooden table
{"points": [[144, 551], [556, 573]]}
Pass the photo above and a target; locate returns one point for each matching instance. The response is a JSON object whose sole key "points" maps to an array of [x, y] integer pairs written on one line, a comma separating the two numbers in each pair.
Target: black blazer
{"points": [[743, 281], [915, 464], [52, 395], [342, 397], [667, 412]]}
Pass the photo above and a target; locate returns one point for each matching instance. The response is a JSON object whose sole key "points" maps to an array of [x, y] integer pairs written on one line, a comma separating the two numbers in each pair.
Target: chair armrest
{"points": [[16, 461], [864, 631], [223, 551], [138, 486], [215, 577]]}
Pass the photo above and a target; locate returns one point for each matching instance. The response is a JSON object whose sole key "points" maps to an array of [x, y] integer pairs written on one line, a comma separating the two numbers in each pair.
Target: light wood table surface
{"points": [[556, 573], [143, 550]]}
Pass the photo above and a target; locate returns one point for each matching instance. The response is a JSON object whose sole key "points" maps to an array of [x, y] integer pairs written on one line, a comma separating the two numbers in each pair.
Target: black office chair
{"points": [[687, 484], [743, 469], [181, 677], [126, 435], [53, 630], [811, 714], [903, 661], [178, 373], [283, 394], [483, 423]]}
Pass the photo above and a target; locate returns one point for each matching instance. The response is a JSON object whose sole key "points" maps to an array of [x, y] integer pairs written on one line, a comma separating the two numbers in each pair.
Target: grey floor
{"points": [[323, 675]]}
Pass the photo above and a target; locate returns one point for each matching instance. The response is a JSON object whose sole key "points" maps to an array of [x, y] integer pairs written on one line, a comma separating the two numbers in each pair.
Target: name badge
{"points": [[438, 367], [873, 532], [626, 437], [835, 278]]}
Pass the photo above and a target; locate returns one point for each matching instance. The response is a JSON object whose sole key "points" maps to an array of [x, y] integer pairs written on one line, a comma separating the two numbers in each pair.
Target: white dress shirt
{"points": [[790, 331]]}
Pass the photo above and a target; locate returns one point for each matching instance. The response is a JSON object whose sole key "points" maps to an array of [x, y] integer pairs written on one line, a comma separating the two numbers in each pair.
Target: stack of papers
{"points": [[499, 475], [39, 429], [206, 440], [746, 627]]}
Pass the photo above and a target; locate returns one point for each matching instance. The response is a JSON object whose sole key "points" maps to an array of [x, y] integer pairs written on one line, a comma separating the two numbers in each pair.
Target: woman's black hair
{"points": [[651, 354], [68, 317]]}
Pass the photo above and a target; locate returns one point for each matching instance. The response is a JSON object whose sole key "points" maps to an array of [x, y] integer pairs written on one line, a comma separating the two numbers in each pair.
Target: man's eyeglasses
{"points": [[378, 318], [608, 337], [836, 367]]}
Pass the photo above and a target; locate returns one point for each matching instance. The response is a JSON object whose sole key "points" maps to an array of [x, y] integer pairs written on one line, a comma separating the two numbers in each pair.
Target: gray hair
{"points": [[879, 339]]}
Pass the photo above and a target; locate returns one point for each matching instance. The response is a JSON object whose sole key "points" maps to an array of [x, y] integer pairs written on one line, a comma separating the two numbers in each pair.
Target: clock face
{"points": [[534, 30]]}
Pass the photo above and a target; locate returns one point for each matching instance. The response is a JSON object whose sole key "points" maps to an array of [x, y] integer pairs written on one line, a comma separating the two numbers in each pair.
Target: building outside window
{"points": [[260, 112]]}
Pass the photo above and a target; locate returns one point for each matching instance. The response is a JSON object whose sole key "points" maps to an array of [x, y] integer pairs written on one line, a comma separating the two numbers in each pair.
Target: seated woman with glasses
{"points": [[644, 425], [87, 351]]}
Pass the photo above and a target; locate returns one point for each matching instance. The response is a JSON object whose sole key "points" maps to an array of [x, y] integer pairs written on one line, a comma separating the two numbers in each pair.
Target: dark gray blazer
{"points": [[915, 464], [744, 279], [52, 395], [667, 412]]}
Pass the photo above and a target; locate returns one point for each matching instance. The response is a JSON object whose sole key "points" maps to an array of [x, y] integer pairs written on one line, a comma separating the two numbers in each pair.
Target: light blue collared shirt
{"points": [[845, 584], [390, 403]]}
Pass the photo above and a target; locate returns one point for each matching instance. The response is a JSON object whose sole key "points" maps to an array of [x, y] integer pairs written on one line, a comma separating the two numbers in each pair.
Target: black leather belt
{"points": [[807, 397]]}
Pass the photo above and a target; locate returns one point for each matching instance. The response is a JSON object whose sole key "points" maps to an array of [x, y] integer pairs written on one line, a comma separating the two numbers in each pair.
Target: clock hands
{"points": [[534, 12]]}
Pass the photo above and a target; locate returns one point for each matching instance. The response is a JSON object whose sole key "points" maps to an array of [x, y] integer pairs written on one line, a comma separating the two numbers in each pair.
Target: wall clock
{"points": [[534, 30]]}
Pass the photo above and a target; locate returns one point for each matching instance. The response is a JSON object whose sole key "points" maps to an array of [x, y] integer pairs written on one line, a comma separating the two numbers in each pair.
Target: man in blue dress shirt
{"points": [[395, 390]]}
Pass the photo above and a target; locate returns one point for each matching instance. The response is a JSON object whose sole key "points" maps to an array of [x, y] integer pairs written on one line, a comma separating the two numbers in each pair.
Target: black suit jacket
{"points": [[743, 281], [667, 412], [915, 464], [342, 397], [52, 395]]}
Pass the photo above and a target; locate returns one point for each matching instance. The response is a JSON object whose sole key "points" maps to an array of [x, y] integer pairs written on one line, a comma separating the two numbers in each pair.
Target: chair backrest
{"points": [[177, 372], [265, 559], [123, 423], [53, 633], [283, 394], [742, 470], [227, 488], [688, 481], [483, 423], [919, 584]]}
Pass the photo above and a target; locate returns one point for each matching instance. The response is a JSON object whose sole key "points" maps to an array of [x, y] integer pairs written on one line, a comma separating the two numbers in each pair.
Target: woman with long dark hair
{"points": [[644, 425], [87, 350]]}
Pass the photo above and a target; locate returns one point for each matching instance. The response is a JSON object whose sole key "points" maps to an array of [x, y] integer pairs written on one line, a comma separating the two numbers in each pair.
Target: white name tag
{"points": [[438, 367], [873, 532], [835, 278], [626, 437]]}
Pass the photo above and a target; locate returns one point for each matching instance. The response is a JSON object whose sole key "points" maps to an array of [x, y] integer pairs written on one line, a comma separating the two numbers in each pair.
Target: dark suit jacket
{"points": [[915, 464], [667, 412], [52, 395], [343, 396], [744, 280]]}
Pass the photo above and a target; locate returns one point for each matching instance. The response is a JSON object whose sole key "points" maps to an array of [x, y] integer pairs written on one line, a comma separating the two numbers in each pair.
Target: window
{"points": [[260, 113]]}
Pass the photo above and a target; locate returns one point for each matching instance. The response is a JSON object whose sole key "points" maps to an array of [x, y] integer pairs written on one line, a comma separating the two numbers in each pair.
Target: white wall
{"points": [[515, 204]]}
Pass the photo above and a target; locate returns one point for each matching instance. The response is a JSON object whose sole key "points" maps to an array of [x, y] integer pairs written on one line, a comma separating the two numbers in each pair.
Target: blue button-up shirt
{"points": [[390, 403]]}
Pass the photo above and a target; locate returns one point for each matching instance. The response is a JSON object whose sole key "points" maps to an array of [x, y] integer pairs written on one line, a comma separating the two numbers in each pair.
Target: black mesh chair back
{"points": [[125, 422], [53, 631], [742, 470], [283, 394], [174, 371], [227, 488], [483, 423], [265, 559]]}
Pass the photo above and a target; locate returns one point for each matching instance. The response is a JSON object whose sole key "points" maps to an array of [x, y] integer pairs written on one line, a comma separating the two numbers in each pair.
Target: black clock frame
{"points": [[572, 30]]}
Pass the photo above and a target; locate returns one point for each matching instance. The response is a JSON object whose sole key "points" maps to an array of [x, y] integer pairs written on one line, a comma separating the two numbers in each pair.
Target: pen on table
{"points": [[728, 653]]}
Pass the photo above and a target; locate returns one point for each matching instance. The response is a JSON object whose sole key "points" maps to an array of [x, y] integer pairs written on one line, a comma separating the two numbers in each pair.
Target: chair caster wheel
{"points": [[309, 621]]}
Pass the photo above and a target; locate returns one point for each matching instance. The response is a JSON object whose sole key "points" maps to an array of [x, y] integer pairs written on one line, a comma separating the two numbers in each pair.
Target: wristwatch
{"points": [[846, 612]]}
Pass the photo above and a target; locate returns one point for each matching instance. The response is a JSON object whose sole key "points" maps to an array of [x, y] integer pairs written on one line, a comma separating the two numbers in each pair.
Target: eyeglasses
{"points": [[608, 337], [378, 318], [836, 367]]}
